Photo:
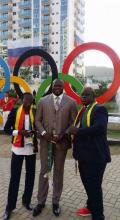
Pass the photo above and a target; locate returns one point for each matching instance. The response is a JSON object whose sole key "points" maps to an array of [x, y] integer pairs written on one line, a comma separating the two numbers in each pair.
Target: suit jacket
{"points": [[48, 119], [90, 143]]}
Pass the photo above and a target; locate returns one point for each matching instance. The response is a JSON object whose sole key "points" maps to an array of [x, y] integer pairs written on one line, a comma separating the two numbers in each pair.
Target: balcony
{"points": [[3, 38], [82, 3], [45, 2], [45, 20], [5, 1], [45, 29], [45, 68], [45, 40], [25, 23], [25, 13], [3, 33], [46, 45], [25, 33], [5, 8], [82, 12], [23, 5], [82, 21], [4, 26], [45, 11], [5, 17]]}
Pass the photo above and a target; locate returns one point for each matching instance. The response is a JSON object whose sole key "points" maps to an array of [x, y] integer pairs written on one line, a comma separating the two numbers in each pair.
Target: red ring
{"points": [[116, 64]]}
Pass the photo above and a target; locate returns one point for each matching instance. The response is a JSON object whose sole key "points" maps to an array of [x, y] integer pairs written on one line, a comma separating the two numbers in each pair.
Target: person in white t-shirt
{"points": [[21, 126]]}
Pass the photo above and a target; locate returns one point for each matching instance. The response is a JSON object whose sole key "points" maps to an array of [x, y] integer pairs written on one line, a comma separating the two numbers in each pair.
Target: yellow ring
{"points": [[18, 80], [1, 119], [21, 82]]}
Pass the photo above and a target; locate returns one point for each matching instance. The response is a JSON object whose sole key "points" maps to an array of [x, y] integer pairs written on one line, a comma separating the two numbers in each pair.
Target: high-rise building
{"points": [[55, 25]]}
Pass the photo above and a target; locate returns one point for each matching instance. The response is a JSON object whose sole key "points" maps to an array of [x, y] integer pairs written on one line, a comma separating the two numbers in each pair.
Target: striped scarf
{"points": [[19, 124], [84, 115]]}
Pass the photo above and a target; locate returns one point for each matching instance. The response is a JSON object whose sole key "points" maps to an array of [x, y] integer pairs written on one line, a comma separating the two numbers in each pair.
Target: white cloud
{"points": [[103, 24]]}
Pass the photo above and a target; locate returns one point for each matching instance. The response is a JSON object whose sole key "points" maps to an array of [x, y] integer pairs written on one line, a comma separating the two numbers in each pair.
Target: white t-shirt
{"points": [[27, 149]]}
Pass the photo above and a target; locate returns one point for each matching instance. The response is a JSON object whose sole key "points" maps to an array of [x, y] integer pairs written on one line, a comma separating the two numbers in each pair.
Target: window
{"points": [[26, 37]]}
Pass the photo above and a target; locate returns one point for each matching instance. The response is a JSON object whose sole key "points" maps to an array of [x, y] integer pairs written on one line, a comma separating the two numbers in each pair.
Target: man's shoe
{"points": [[7, 215], [38, 209], [83, 212], [27, 206], [56, 210]]}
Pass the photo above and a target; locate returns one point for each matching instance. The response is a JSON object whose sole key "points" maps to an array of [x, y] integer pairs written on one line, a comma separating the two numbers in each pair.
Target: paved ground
{"points": [[73, 194]]}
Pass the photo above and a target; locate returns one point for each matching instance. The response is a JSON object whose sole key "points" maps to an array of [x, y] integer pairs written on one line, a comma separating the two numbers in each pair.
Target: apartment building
{"points": [[57, 26]]}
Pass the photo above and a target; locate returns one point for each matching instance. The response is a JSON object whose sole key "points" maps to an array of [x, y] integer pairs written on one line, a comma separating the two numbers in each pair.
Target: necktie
{"points": [[57, 103]]}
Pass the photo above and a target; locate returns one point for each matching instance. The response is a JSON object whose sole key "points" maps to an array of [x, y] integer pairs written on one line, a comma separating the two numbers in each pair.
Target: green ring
{"points": [[74, 82]]}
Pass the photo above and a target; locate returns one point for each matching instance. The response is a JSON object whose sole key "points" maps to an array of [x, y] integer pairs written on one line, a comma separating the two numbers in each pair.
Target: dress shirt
{"points": [[55, 98]]}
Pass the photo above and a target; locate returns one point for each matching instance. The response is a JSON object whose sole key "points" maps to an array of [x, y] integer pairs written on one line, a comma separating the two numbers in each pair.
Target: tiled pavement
{"points": [[73, 194]]}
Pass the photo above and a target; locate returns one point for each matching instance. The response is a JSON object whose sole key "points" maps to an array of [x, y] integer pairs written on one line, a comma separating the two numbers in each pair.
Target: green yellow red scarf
{"points": [[86, 118], [19, 124]]}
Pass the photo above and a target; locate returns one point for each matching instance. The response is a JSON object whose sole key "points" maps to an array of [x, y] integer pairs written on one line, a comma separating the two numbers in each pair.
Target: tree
{"points": [[25, 73]]}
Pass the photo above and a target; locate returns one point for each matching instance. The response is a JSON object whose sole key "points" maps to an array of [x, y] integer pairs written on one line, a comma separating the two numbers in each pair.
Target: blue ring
{"points": [[7, 77]]}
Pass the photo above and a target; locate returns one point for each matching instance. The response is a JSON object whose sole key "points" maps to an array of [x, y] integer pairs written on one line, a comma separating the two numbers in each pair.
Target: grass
{"points": [[5, 146], [111, 106], [113, 134], [114, 149]]}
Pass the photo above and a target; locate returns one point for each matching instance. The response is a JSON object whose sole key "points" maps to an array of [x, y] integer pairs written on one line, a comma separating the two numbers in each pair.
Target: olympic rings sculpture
{"points": [[5, 84]]}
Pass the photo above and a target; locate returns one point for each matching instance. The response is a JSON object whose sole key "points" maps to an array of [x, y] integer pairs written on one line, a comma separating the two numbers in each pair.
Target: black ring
{"points": [[35, 52]]}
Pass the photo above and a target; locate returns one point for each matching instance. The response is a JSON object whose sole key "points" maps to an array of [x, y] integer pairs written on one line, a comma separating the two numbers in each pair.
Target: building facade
{"points": [[55, 25]]}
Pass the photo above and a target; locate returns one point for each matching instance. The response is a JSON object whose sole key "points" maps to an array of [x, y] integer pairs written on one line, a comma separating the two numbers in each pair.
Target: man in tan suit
{"points": [[55, 114]]}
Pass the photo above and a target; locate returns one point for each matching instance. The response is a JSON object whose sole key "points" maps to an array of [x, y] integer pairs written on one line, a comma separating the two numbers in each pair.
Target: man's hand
{"points": [[47, 136], [25, 133], [55, 138], [73, 130], [58, 137]]}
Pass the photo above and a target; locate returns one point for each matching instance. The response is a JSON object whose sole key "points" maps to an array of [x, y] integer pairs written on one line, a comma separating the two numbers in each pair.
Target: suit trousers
{"points": [[16, 168], [58, 171], [91, 175]]}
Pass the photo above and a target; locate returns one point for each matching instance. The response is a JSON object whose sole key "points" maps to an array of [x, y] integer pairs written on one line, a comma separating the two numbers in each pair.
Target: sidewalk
{"points": [[73, 195]]}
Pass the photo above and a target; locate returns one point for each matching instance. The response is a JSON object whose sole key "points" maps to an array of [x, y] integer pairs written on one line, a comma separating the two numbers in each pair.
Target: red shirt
{"points": [[7, 105]]}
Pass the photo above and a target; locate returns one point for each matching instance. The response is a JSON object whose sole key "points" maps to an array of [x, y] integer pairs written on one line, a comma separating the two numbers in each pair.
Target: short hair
{"points": [[58, 80], [26, 93], [91, 90], [7, 92]]}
